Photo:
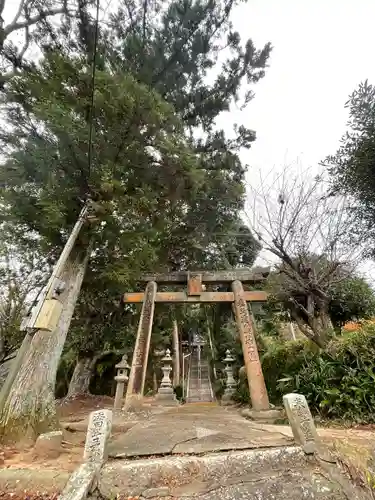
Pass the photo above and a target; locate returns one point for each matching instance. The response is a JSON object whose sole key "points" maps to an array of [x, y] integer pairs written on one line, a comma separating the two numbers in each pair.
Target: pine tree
{"points": [[46, 176]]}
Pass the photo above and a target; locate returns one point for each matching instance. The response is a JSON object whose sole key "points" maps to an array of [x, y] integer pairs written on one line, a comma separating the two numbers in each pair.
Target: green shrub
{"points": [[218, 387], [242, 393], [178, 392], [338, 382]]}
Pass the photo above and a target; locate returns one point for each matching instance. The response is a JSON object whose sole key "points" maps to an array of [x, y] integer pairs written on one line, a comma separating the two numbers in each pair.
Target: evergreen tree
{"points": [[142, 175], [352, 168]]}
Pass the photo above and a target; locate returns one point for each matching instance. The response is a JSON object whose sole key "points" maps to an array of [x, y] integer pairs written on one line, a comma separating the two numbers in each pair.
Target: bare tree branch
{"points": [[19, 11], [308, 232], [30, 21]]}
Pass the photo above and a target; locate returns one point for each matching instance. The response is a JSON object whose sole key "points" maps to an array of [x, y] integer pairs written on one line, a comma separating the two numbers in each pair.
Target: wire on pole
{"points": [[93, 76]]}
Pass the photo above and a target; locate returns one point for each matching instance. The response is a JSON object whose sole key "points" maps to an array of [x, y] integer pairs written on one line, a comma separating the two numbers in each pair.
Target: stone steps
{"points": [[280, 473], [199, 392]]}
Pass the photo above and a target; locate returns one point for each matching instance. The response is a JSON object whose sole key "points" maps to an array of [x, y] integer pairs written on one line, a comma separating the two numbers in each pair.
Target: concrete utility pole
{"points": [[46, 313]]}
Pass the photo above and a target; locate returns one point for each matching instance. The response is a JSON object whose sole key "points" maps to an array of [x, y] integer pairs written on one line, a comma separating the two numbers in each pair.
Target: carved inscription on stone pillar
{"points": [[142, 345], [98, 431], [300, 418], [257, 387]]}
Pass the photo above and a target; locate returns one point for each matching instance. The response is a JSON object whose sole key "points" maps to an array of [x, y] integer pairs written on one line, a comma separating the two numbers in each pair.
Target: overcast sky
{"points": [[322, 50]]}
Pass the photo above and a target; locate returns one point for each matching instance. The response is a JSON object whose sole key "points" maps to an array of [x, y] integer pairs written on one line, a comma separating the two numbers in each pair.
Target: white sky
{"points": [[322, 50]]}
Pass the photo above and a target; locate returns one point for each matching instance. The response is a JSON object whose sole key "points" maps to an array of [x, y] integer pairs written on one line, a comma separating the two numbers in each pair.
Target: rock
{"points": [[264, 416], [48, 445], [309, 448], [156, 492], [285, 473]]}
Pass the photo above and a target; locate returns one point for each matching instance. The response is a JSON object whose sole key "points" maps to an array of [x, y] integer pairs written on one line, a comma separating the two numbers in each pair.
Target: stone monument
{"points": [[83, 479], [301, 421], [98, 432]]}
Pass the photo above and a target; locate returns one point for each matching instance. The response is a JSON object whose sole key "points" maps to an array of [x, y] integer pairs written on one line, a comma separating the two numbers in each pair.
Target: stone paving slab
{"points": [[194, 429]]}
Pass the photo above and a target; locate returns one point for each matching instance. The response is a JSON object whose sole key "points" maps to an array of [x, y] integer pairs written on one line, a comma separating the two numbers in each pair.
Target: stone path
{"points": [[206, 452], [194, 429], [203, 451]]}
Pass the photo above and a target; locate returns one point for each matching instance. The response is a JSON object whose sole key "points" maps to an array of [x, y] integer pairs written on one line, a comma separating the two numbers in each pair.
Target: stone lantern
{"points": [[230, 383], [166, 395], [121, 377]]}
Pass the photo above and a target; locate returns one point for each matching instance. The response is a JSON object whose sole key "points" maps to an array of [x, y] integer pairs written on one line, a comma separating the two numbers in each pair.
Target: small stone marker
{"points": [[48, 445], [98, 432], [80, 483], [82, 480], [300, 419]]}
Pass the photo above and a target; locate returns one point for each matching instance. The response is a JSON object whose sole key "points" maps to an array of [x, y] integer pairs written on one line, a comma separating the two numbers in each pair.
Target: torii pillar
{"points": [[255, 378]]}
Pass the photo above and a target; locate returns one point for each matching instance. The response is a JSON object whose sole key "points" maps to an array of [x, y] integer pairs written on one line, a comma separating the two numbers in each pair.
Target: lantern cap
{"points": [[123, 364], [229, 358], [167, 356]]}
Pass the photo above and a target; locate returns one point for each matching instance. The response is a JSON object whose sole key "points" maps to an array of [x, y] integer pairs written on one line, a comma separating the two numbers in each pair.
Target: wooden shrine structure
{"points": [[196, 284]]}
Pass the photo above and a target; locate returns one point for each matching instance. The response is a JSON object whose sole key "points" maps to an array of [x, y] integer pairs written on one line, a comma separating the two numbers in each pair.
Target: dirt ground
{"points": [[353, 443], [73, 442]]}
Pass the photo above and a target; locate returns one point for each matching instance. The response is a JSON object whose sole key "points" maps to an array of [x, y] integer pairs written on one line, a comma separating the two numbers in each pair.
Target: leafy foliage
{"points": [[337, 382], [352, 299], [352, 167], [22, 272]]}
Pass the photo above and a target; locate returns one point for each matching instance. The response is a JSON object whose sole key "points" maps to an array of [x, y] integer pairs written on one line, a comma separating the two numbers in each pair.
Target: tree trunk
{"points": [[316, 328], [30, 409], [80, 381]]}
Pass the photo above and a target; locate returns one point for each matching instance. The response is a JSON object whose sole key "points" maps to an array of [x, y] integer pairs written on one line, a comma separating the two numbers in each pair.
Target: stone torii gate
{"points": [[196, 294]]}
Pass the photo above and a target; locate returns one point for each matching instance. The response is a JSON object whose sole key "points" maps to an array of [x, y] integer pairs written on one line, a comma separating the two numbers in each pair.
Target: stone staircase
{"points": [[199, 383]]}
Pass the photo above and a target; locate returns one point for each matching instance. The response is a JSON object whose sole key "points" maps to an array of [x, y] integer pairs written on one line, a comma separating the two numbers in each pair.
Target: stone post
{"points": [[84, 478], [255, 379], [301, 421], [176, 354], [165, 394], [121, 377], [230, 383], [137, 377], [98, 433]]}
